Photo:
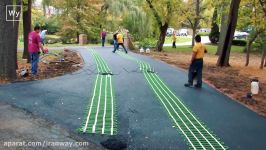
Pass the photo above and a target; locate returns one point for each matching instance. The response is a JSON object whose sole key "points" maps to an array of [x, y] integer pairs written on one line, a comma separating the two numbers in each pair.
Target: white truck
{"points": [[170, 31]]}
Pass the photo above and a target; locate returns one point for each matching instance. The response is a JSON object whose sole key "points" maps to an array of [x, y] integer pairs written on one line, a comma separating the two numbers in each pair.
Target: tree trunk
{"points": [[8, 43], [248, 52], [222, 34], [44, 10], [77, 37], [263, 58], [129, 42], [196, 21], [163, 30], [78, 19], [193, 35], [229, 34], [251, 40], [26, 28]]}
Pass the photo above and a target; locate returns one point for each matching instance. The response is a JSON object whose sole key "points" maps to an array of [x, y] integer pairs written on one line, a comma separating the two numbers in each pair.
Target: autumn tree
{"points": [[214, 34], [261, 40], [252, 15], [129, 15], [228, 30], [26, 26], [193, 10], [8, 42], [262, 36], [76, 17], [45, 5], [222, 11], [163, 12]]}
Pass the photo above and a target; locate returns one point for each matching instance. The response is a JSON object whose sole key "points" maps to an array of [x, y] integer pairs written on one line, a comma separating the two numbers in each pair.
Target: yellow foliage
{"points": [[251, 13]]}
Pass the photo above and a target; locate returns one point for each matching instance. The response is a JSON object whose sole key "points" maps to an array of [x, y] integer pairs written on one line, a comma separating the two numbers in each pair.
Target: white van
{"points": [[206, 30], [182, 32]]}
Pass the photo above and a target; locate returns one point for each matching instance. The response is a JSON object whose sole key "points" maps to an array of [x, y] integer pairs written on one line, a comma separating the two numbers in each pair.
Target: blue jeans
{"points": [[103, 41], [196, 66], [42, 41], [115, 45], [34, 62]]}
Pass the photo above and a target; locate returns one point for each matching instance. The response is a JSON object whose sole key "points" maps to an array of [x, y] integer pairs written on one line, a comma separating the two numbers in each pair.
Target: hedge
{"points": [[239, 42]]}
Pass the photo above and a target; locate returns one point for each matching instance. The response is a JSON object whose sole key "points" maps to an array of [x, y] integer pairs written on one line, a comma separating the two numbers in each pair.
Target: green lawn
{"points": [[168, 40], [20, 45], [59, 44], [211, 49], [53, 36]]}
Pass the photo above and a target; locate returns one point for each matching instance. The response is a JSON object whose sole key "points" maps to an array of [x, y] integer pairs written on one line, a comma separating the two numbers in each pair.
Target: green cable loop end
{"points": [[101, 105]]}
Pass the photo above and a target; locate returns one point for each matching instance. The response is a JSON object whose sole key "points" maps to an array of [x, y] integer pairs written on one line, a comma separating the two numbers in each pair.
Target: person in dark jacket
{"points": [[115, 40], [103, 35]]}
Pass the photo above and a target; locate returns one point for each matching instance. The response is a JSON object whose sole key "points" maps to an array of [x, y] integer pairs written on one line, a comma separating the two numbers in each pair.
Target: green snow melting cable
{"points": [[197, 135], [100, 118]]}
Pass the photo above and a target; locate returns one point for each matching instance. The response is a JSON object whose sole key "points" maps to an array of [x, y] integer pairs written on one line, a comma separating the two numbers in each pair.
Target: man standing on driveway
{"points": [[34, 49], [196, 65], [103, 35]]}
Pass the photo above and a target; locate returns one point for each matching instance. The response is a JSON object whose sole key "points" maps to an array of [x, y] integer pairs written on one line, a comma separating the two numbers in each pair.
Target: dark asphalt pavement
{"points": [[142, 121]]}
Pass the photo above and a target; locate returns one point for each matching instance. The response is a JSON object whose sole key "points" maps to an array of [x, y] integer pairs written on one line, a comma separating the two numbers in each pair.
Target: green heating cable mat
{"points": [[100, 117], [196, 134]]}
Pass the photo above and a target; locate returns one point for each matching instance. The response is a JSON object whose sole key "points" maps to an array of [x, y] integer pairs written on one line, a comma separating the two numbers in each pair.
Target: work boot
{"points": [[188, 85], [33, 77], [198, 86]]}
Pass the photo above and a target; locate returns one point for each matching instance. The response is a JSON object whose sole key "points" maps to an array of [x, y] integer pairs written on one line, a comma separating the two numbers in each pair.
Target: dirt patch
{"points": [[20, 129], [233, 81], [51, 65]]}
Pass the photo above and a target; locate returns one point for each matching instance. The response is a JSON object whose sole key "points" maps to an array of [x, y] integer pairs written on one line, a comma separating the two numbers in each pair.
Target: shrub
{"points": [[147, 43], [52, 40], [203, 33], [93, 35], [239, 42], [50, 24], [110, 41], [214, 35], [68, 40], [109, 38]]}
